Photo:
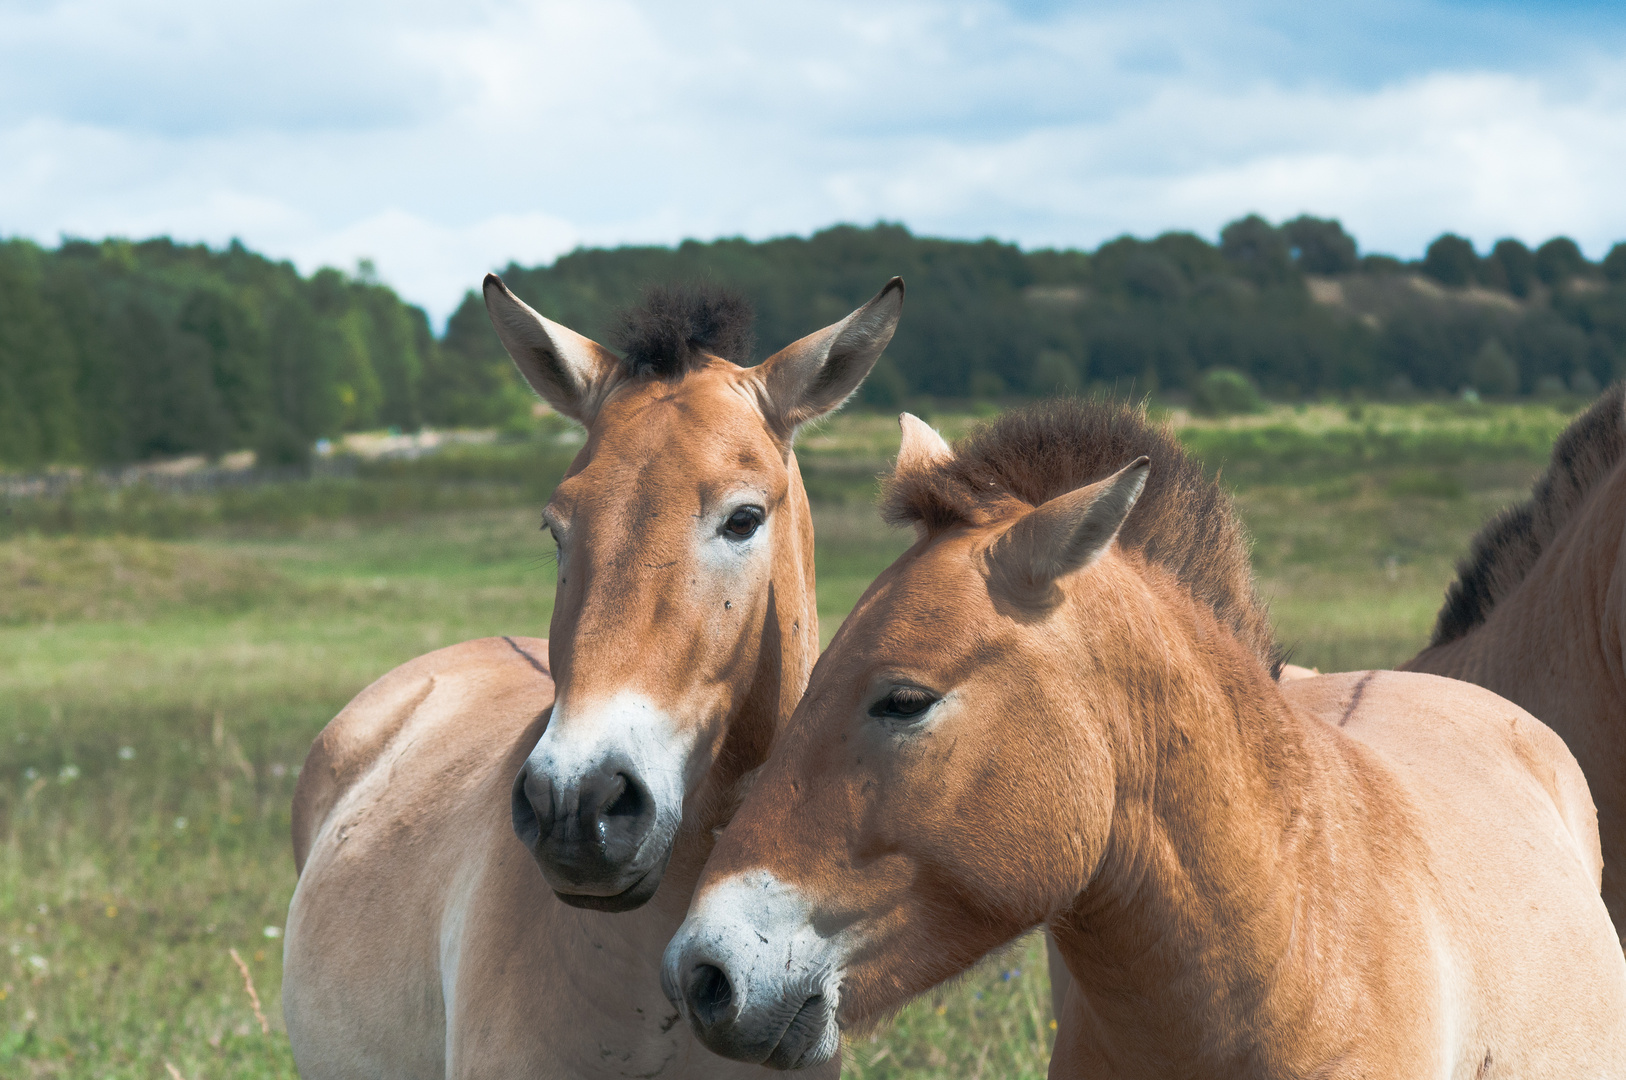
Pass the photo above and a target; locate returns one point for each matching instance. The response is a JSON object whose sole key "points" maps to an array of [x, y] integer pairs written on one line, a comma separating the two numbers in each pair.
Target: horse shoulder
{"points": [[353, 742]]}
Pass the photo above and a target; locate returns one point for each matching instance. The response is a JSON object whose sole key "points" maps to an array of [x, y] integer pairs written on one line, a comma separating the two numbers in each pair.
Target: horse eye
{"points": [[742, 524], [552, 527], [903, 703]]}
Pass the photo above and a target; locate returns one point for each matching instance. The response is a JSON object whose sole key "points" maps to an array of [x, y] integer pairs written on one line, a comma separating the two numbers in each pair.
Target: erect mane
{"points": [[1182, 521], [675, 329], [1506, 548]]}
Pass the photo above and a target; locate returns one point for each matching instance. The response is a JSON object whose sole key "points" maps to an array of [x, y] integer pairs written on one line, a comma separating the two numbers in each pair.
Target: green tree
{"points": [[1451, 260], [1320, 246], [1614, 263], [38, 421], [1257, 249], [1510, 267], [1549, 348], [115, 350], [1559, 259], [236, 345]]}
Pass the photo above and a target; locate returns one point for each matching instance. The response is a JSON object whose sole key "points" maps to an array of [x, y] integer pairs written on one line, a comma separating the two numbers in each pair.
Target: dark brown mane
{"points": [[674, 330], [1506, 548], [1183, 521]]}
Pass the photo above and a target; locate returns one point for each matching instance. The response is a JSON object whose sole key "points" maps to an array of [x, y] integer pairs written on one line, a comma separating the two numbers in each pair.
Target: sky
{"points": [[442, 140]]}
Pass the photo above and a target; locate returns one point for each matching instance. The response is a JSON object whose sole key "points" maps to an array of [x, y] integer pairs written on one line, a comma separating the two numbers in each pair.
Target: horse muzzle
{"points": [[754, 979], [597, 837]]}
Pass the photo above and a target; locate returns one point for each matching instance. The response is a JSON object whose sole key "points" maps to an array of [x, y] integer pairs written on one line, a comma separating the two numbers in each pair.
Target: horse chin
{"points": [[633, 896]]}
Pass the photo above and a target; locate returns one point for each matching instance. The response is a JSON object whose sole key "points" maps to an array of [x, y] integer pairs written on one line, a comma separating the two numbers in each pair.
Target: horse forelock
{"points": [[678, 329], [1182, 522], [1507, 548]]}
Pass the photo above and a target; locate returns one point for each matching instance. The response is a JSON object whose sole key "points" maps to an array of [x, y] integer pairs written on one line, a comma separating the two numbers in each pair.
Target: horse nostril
{"points": [[630, 802], [709, 994], [527, 825], [624, 816]]}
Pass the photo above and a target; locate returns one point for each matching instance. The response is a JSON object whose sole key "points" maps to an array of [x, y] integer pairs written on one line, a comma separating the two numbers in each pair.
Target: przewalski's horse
{"points": [[424, 940], [1023, 722], [1538, 614]]}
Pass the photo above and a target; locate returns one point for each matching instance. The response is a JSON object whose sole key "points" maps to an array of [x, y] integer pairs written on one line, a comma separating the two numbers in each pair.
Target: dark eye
{"points": [[551, 526], [742, 524], [903, 703]]}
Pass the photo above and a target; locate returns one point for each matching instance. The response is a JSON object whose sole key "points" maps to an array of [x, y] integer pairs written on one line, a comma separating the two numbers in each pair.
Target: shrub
{"points": [[1223, 392]]}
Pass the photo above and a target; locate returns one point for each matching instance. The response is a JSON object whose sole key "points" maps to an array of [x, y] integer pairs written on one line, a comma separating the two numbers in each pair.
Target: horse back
{"points": [[352, 743], [1493, 854], [1454, 746]]}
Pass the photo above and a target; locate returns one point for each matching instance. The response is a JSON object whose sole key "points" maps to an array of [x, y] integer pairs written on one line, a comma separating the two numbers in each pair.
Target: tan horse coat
{"points": [[423, 939], [1046, 714], [1399, 946], [1539, 616]]}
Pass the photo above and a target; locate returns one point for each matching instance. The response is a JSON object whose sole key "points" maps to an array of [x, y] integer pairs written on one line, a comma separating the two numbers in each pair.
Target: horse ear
{"points": [[815, 375], [1067, 533], [571, 372], [921, 445]]}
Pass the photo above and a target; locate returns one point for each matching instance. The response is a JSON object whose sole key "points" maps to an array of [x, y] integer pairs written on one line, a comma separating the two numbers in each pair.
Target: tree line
{"points": [[1296, 308], [117, 351]]}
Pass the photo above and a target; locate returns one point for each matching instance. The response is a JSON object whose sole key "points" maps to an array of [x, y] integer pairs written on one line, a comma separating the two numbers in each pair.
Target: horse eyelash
{"points": [[548, 556]]}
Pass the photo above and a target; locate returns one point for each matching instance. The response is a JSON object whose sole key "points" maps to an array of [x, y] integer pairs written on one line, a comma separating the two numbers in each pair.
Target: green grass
{"points": [[156, 697]]}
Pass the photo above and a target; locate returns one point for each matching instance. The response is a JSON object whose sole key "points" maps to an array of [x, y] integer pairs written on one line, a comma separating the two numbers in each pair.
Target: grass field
{"points": [[157, 696]]}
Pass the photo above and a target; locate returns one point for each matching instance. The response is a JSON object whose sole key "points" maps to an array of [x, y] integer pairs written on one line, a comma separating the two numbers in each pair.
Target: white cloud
{"points": [[440, 260], [442, 142]]}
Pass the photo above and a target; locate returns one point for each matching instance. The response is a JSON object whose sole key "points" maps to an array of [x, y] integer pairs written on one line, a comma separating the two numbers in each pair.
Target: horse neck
{"points": [[1222, 799]]}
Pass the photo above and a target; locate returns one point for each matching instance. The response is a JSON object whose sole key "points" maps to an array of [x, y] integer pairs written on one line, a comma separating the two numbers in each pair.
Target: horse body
{"points": [[422, 940], [1430, 910], [1539, 617], [497, 839], [1435, 824], [1503, 849], [1051, 711]]}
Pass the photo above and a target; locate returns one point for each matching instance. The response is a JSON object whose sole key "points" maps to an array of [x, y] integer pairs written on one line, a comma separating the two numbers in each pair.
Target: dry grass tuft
{"points": [[248, 984]]}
